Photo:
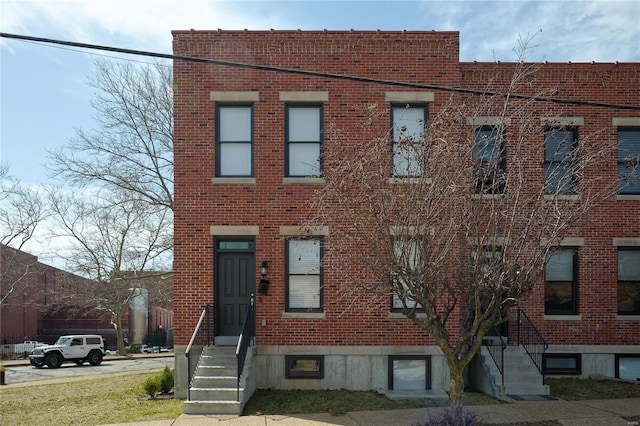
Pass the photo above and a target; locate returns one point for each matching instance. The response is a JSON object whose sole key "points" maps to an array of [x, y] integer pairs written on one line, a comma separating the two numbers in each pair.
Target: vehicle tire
{"points": [[37, 364], [53, 360], [95, 358]]}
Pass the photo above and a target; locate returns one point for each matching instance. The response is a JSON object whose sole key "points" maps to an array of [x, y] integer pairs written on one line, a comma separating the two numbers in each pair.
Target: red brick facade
{"points": [[269, 203]]}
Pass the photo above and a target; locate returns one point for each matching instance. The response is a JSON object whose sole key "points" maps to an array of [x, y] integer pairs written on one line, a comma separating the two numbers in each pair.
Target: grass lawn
{"points": [[574, 389], [117, 399]]}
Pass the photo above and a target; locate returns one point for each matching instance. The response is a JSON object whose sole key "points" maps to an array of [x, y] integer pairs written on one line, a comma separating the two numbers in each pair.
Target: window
{"points": [[409, 372], [561, 284], [409, 260], [628, 161], [489, 162], [303, 140], [304, 366], [234, 141], [628, 367], [407, 126], [628, 281], [304, 276], [562, 364], [559, 157]]}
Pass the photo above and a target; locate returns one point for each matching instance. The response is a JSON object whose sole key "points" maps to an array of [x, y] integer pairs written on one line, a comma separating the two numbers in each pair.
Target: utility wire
{"points": [[317, 73]]}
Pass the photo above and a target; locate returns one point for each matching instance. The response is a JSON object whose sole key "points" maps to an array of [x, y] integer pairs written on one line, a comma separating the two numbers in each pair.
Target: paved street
{"points": [[26, 373]]}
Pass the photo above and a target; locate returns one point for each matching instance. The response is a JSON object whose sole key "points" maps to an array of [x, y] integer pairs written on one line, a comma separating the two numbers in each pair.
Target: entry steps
{"points": [[214, 388], [521, 376]]}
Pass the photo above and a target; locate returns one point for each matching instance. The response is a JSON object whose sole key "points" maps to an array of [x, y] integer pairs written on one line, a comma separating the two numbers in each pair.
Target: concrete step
{"points": [[212, 407], [217, 381], [216, 371], [216, 394]]}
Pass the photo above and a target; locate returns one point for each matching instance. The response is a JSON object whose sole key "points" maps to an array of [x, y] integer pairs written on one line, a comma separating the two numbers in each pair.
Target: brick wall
{"points": [[418, 57]]}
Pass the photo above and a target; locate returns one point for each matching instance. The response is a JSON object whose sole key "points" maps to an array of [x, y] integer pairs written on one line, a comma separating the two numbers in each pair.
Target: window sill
{"points": [[303, 181], [400, 315], [628, 317], [304, 315], [562, 317], [628, 197], [409, 180], [567, 197], [233, 181], [488, 196]]}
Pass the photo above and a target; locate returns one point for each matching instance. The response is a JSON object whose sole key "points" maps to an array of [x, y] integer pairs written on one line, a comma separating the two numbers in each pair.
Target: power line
{"points": [[316, 73]]}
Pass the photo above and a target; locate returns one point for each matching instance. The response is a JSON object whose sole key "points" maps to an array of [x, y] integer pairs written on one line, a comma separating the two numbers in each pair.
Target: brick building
{"points": [[247, 147], [30, 290]]}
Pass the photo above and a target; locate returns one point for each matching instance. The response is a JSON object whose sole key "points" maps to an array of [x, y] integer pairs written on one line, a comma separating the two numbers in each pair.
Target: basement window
{"points": [[563, 364], [628, 367], [304, 366], [409, 372]]}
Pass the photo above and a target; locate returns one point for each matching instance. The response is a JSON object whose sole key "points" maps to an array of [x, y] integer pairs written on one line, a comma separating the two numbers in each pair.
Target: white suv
{"points": [[76, 348]]}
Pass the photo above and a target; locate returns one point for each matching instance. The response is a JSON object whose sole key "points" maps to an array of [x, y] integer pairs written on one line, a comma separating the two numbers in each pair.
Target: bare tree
{"points": [[133, 147], [22, 209], [116, 243], [457, 227]]}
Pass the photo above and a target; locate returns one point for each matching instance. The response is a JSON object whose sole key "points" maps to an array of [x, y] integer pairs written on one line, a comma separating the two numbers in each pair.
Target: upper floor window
{"points": [[489, 163], [409, 259], [628, 281], [304, 275], [234, 141], [561, 283], [303, 140], [408, 123], [559, 161], [628, 161]]}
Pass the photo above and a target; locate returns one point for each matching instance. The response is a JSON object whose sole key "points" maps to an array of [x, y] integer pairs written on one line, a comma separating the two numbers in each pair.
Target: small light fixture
{"points": [[263, 288]]}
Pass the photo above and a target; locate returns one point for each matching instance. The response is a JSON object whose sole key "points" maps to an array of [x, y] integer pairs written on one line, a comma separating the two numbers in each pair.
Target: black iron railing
{"points": [[245, 340], [496, 347], [202, 336], [525, 333]]}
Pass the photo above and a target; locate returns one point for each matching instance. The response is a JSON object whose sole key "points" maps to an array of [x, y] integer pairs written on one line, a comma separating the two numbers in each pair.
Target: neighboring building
{"points": [[31, 289], [247, 151]]}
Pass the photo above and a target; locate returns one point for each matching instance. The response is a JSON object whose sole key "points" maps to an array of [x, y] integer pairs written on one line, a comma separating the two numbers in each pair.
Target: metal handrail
{"points": [[246, 336], [530, 338], [497, 352], [202, 332]]}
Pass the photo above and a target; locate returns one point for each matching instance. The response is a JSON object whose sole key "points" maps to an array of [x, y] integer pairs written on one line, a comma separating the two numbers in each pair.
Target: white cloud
{"points": [[141, 24], [597, 30]]}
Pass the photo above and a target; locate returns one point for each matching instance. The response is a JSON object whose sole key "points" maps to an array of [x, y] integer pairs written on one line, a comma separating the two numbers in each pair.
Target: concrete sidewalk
{"points": [[609, 412]]}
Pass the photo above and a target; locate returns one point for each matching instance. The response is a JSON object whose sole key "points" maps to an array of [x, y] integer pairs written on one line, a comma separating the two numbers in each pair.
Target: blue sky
{"points": [[44, 95]]}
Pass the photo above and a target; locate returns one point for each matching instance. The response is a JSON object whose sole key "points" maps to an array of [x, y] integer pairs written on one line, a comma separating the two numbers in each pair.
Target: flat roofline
{"points": [[395, 32]]}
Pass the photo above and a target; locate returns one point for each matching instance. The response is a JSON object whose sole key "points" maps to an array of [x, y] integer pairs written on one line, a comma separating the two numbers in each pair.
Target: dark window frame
{"points": [[562, 371], [395, 238], [574, 284], [421, 105], [320, 141], [392, 358], [320, 309], [625, 162], [569, 163], [491, 181], [219, 143], [618, 356], [292, 374], [636, 310]]}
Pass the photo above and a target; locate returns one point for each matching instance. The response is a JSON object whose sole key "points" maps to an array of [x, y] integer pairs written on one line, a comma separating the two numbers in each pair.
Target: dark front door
{"points": [[235, 281]]}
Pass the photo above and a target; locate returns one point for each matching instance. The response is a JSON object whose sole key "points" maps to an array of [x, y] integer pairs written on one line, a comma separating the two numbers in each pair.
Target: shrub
{"points": [[136, 348], [166, 380], [449, 417], [151, 386]]}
